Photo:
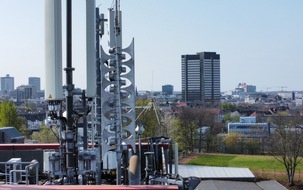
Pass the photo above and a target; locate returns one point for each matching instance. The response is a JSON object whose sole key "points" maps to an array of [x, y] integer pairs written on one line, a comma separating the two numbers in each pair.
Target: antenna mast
{"points": [[117, 94]]}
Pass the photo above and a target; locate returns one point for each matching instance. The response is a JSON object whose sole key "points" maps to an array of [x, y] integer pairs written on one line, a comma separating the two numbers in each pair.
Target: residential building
{"points": [[34, 125], [201, 77], [7, 83]]}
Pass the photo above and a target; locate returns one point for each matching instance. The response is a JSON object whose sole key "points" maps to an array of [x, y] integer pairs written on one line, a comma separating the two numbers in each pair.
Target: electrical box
{"points": [[110, 160], [51, 162], [87, 161]]}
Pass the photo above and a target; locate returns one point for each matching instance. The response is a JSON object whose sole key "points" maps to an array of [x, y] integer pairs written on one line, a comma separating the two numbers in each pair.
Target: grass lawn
{"points": [[255, 163]]}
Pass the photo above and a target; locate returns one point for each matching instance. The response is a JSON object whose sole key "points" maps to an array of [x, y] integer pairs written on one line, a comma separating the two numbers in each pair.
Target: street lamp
{"points": [[139, 130]]}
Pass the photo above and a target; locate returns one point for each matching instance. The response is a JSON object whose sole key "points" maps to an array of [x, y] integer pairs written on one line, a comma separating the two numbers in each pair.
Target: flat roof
{"points": [[230, 185], [210, 172], [235, 185]]}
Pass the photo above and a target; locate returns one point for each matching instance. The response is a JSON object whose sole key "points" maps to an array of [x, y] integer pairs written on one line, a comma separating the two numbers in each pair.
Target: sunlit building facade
{"points": [[248, 127], [7, 83], [201, 77], [35, 82]]}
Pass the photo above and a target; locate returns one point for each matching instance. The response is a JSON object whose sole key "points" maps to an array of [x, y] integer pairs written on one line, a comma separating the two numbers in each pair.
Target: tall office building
{"points": [[7, 83], [168, 89], [35, 82], [201, 77]]}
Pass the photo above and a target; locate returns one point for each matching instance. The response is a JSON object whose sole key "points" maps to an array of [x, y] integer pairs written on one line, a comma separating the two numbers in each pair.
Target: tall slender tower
{"points": [[201, 77], [91, 85], [53, 50]]}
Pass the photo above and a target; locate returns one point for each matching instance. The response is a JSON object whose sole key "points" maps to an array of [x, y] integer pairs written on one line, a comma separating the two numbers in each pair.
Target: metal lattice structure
{"points": [[117, 93], [110, 93]]}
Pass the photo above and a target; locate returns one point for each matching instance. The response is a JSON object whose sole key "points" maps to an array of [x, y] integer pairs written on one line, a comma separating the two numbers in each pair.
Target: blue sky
{"points": [[260, 42]]}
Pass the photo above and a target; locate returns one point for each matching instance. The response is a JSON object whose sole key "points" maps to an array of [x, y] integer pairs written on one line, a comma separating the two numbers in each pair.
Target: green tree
{"points": [[147, 114], [178, 133], [232, 143], [8, 114], [46, 135], [21, 126], [142, 102], [252, 146], [208, 118], [9, 117], [187, 130], [188, 126], [228, 107], [168, 123], [229, 118]]}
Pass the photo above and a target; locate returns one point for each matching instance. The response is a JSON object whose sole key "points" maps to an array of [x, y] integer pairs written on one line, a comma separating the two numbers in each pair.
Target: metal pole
{"points": [[117, 94], [84, 121], [139, 135], [170, 157], [200, 140], [176, 158], [98, 98], [69, 133]]}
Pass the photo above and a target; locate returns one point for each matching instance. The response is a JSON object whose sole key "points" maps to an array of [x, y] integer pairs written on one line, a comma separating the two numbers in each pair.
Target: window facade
{"points": [[201, 77], [250, 129]]}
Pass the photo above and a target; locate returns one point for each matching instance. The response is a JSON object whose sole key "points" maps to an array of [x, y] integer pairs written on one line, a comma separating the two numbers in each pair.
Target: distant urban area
{"points": [[200, 118], [200, 89], [190, 133]]}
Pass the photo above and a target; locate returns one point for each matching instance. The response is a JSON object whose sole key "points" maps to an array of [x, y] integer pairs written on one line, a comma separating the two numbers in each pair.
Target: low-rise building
{"points": [[10, 135], [248, 127]]}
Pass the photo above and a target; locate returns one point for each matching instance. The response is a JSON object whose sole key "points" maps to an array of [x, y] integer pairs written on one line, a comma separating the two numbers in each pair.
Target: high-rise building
{"points": [[35, 82], [168, 89], [25, 92], [7, 83], [201, 77]]}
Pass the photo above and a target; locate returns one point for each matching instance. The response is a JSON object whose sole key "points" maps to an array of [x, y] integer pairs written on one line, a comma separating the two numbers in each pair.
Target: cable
{"points": [[55, 133], [147, 107], [112, 5]]}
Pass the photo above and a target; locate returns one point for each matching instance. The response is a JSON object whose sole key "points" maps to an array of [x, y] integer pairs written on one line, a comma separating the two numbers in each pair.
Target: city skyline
{"points": [[260, 43]]}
